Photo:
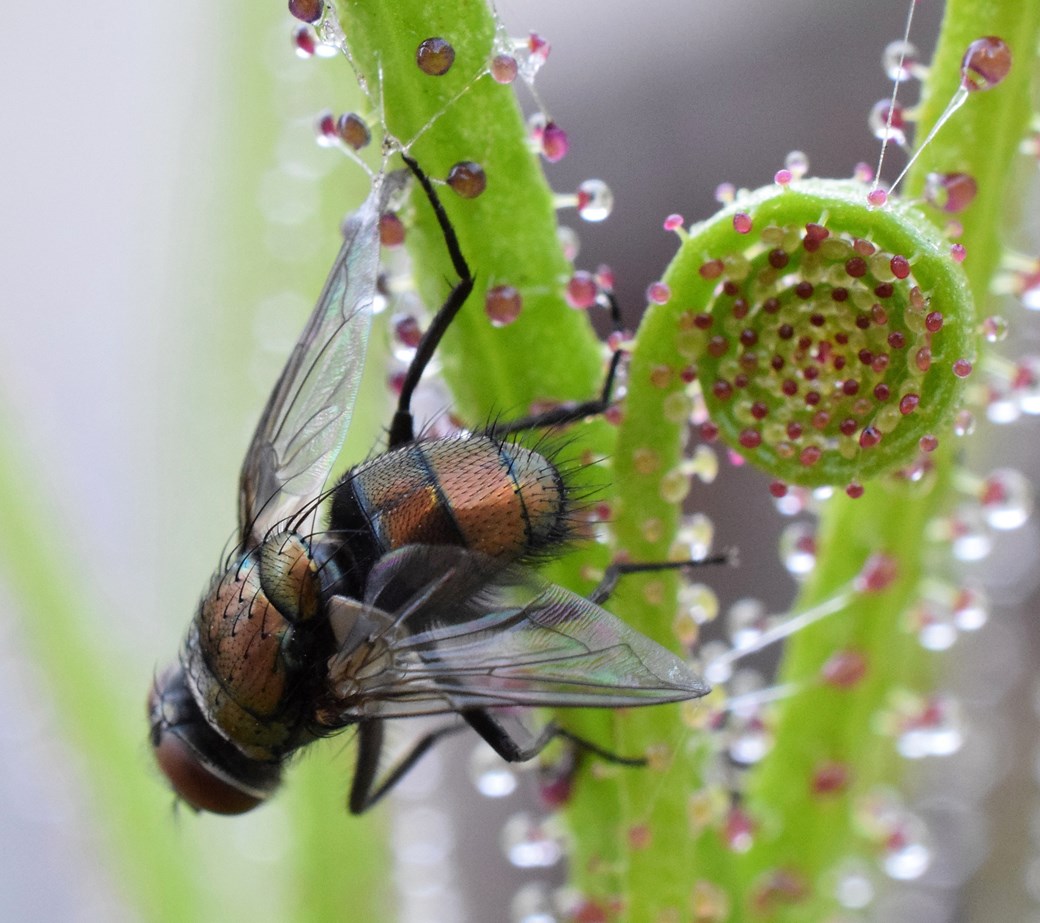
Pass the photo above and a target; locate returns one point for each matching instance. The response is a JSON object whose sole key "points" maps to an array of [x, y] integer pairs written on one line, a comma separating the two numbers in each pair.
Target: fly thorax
{"points": [[235, 656]]}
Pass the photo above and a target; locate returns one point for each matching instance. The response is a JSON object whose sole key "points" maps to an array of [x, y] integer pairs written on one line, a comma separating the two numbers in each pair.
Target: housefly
{"points": [[414, 600]]}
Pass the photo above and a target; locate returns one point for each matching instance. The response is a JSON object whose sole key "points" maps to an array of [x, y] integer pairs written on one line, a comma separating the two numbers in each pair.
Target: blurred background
{"points": [[144, 329]]}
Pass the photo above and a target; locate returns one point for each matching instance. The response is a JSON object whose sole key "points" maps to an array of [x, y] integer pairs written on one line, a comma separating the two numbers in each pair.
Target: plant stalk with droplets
{"points": [[657, 840], [815, 798]]}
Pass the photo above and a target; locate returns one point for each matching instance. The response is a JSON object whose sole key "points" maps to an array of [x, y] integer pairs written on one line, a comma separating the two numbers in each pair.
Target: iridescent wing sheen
{"points": [[446, 630], [307, 415]]}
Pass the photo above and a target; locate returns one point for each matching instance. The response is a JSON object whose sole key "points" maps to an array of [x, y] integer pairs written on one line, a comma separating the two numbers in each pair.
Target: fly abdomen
{"points": [[481, 493]]}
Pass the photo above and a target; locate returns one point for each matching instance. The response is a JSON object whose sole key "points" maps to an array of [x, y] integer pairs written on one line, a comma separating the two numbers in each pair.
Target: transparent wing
{"points": [[459, 631], [307, 415]]}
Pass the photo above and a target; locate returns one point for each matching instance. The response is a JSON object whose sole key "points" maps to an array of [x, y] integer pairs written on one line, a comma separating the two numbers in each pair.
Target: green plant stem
{"points": [[797, 832], [981, 140], [508, 233]]}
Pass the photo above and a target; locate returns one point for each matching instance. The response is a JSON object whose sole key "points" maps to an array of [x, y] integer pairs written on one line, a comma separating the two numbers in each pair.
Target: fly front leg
{"points": [[402, 429]]}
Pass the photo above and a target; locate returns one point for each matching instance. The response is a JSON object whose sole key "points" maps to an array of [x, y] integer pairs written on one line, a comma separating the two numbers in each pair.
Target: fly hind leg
{"points": [[516, 743]]}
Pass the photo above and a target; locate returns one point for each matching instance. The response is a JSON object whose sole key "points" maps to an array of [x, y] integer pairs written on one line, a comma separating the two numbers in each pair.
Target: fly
{"points": [[415, 600]]}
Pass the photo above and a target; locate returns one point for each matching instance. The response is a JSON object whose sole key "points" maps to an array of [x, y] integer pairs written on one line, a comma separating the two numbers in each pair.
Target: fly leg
{"points": [[503, 733], [572, 412], [506, 742], [619, 569], [368, 788], [402, 429]]}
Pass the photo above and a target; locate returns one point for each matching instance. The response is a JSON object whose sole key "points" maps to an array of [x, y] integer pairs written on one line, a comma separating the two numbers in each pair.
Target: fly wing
{"points": [[307, 415], [475, 634]]}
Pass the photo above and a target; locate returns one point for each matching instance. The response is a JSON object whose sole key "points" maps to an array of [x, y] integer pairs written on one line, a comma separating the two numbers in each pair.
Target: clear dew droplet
{"points": [[1007, 499], [935, 730], [745, 622], [532, 903], [901, 60], [696, 534], [906, 859], [797, 164], [971, 609], [700, 601], [717, 667], [797, 548], [749, 740], [492, 776], [853, 885], [595, 200], [971, 539], [995, 328], [530, 843], [934, 624], [569, 242], [883, 127]]}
